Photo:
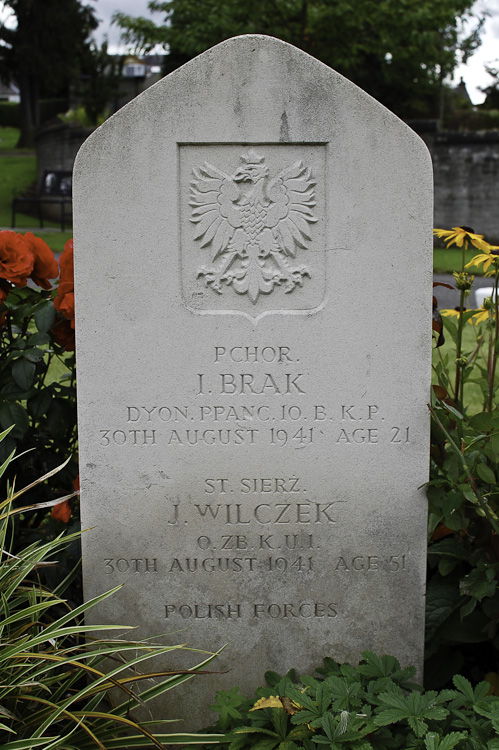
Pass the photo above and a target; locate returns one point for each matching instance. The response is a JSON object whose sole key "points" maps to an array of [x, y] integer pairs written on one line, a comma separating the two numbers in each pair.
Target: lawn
{"points": [[8, 138], [17, 173], [447, 260]]}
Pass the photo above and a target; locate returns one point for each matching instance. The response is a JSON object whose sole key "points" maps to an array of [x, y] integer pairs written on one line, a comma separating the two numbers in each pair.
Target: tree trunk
{"points": [[28, 110]]}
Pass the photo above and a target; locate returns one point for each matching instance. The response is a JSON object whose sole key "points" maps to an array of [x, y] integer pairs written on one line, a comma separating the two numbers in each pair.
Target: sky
{"points": [[473, 73]]}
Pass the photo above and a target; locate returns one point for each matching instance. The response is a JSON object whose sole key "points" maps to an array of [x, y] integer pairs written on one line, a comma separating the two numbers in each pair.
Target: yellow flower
{"points": [[480, 317], [460, 236], [489, 258], [486, 258], [273, 702], [484, 313]]}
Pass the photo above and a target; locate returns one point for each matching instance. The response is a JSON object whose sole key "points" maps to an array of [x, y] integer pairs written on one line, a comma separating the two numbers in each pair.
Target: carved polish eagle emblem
{"points": [[253, 225]]}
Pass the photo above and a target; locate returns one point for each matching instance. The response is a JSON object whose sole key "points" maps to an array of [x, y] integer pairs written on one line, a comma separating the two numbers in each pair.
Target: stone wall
{"points": [[465, 166], [466, 174], [57, 144]]}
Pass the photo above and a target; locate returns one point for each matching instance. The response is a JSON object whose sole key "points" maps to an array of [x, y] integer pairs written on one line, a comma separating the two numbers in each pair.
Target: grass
{"points": [[17, 173], [8, 138], [447, 260]]}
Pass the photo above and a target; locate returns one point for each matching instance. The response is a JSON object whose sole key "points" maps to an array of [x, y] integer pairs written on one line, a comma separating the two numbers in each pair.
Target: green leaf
{"points": [[59, 417], [23, 373], [452, 410], [28, 744], [38, 339], [434, 741], [39, 404], [280, 721], [450, 326], [446, 566], [449, 547], [468, 608], [45, 316], [442, 598], [464, 686], [34, 354], [481, 422], [14, 414], [486, 473]]}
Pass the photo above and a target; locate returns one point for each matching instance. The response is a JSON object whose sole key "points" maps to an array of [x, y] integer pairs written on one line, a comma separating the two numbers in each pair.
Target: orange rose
{"points": [[65, 299], [66, 262], [16, 258], [62, 511], [64, 334], [45, 265]]}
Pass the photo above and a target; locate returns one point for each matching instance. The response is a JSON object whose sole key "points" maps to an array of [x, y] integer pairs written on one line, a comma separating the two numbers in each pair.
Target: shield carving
{"points": [[252, 228]]}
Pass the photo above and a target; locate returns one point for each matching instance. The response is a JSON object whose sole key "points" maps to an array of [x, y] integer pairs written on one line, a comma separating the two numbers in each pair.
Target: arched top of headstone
{"points": [[258, 87]]}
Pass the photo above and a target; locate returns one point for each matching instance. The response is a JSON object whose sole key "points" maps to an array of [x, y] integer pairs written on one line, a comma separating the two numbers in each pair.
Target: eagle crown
{"points": [[253, 170]]}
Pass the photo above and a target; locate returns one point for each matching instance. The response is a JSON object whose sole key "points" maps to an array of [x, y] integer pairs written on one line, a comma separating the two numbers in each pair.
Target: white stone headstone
{"points": [[253, 279]]}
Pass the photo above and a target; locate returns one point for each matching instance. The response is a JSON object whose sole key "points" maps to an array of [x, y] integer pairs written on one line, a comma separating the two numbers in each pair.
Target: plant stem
{"points": [[482, 503], [494, 335], [458, 386]]}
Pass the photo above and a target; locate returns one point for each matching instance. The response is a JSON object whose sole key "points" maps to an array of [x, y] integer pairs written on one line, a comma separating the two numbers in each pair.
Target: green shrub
{"points": [[374, 706], [37, 368], [54, 676], [462, 593], [9, 115]]}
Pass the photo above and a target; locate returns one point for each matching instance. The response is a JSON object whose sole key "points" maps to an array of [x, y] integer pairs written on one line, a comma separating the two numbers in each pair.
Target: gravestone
{"points": [[253, 278]]}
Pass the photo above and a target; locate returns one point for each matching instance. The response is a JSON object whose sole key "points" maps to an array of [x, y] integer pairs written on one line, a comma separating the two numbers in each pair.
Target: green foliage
{"points": [[55, 674], [374, 706], [463, 555], [9, 115], [37, 384], [44, 52], [81, 117], [42, 413], [400, 52], [102, 78]]}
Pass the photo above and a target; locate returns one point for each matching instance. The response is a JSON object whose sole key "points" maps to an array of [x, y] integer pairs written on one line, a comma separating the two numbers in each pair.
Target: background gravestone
{"points": [[253, 276]]}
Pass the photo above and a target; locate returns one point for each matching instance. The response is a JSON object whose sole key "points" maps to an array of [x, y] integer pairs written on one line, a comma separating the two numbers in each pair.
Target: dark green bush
{"points": [[9, 115], [374, 706]]}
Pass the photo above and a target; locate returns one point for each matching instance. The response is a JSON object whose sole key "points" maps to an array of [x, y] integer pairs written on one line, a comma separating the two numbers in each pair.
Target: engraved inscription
{"points": [[254, 395], [253, 224], [256, 610]]}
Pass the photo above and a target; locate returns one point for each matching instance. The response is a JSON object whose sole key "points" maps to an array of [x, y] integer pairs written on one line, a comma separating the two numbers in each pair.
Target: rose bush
{"points": [[23, 257], [37, 369]]}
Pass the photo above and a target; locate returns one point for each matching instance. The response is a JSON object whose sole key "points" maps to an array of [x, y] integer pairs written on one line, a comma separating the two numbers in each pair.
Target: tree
{"points": [[43, 54], [400, 51], [492, 90], [99, 82]]}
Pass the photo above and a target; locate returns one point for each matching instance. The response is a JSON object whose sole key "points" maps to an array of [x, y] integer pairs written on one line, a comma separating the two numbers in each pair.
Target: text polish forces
{"points": [[256, 610]]}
